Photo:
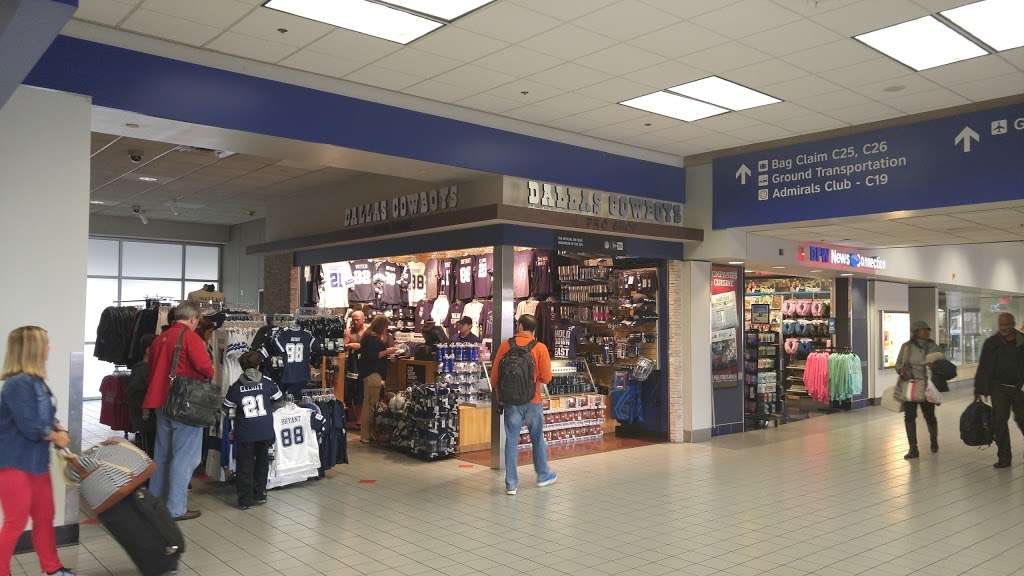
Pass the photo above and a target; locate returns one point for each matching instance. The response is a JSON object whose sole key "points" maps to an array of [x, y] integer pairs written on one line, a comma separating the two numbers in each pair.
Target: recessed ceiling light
{"points": [[444, 9], [922, 43], [736, 262], [994, 22], [148, 179], [674, 106], [361, 16], [97, 202], [846, 274], [778, 267], [721, 92]]}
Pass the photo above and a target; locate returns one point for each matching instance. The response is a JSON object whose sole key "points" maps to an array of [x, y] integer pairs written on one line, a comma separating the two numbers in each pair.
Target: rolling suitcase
{"points": [[142, 526]]}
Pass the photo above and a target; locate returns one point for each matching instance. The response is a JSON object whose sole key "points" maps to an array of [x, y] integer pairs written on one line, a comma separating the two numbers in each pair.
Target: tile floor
{"points": [[828, 496]]}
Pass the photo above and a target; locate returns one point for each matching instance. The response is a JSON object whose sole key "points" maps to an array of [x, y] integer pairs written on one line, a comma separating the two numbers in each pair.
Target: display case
{"points": [[573, 410]]}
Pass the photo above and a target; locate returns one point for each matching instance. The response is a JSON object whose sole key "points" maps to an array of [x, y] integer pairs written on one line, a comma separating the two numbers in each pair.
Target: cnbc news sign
{"points": [[842, 258]]}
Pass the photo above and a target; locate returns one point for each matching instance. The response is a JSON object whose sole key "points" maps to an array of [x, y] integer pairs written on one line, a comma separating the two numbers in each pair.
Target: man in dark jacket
{"points": [[1001, 376]]}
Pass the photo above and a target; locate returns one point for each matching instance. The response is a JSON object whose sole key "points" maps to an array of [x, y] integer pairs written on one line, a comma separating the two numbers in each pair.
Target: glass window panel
{"points": [[99, 293], [102, 257], [92, 374], [142, 289], [151, 259], [202, 262]]}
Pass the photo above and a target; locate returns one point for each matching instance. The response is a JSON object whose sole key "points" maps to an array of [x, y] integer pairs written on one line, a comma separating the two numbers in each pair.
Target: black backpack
{"points": [[516, 374], [976, 424]]}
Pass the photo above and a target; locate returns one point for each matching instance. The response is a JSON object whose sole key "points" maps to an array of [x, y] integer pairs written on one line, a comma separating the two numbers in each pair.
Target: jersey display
{"points": [[297, 347], [296, 451], [527, 307], [446, 278], [473, 310], [252, 403], [439, 311], [454, 315], [337, 279], [415, 281], [236, 346], [431, 277], [385, 281], [482, 277], [464, 277], [547, 321], [487, 320], [521, 273], [542, 274], [423, 309], [362, 284]]}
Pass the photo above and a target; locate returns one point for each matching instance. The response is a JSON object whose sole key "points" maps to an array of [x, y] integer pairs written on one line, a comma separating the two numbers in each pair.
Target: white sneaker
{"points": [[62, 572], [548, 482], [510, 491]]}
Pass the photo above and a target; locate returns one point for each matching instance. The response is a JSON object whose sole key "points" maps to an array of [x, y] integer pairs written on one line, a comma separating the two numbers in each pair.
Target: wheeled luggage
{"points": [[142, 526]]}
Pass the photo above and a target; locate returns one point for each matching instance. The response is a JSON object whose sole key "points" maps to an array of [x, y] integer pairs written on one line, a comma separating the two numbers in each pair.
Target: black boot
{"points": [[911, 439], [933, 434]]}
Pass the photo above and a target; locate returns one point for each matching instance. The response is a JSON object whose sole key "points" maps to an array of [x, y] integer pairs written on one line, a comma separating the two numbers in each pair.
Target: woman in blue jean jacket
{"points": [[28, 425]]}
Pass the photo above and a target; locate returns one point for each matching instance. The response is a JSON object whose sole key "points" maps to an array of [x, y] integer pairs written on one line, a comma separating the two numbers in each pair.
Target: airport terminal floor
{"points": [[825, 496]]}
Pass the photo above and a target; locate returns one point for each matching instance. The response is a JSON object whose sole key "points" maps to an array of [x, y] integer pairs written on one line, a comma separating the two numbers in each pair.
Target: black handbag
{"points": [[191, 401]]}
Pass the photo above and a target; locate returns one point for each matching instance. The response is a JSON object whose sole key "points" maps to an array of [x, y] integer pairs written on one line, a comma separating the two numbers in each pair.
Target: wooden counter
{"points": [[474, 428], [408, 372]]}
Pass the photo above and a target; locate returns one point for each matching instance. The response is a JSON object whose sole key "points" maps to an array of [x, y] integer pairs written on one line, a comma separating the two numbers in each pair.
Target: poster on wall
{"points": [[724, 327], [895, 331]]}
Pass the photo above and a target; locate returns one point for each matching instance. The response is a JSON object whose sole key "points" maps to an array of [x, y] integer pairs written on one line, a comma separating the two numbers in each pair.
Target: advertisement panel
{"points": [[725, 330]]}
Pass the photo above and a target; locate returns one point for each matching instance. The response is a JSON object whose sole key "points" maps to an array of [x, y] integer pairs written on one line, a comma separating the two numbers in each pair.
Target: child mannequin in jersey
{"points": [[250, 399]]}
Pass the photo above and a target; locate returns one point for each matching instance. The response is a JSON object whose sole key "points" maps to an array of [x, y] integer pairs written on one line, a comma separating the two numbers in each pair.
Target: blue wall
{"points": [[134, 81]]}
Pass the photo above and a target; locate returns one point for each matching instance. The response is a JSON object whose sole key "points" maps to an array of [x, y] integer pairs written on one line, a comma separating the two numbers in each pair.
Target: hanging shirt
{"points": [[296, 442], [423, 308], [547, 320], [464, 278], [542, 275], [432, 277], [454, 315], [252, 402], [439, 311], [415, 282], [298, 347], [473, 310], [482, 278], [236, 346], [487, 320], [362, 285], [337, 281], [446, 278], [565, 340], [521, 274], [386, 280]]}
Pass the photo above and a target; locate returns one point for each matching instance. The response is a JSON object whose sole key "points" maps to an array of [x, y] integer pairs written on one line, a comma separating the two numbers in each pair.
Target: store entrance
{"points": [[796, 364]]}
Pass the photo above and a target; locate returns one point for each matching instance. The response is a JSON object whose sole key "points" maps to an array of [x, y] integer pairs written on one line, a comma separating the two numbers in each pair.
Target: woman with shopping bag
{"points": [[912, 387]]}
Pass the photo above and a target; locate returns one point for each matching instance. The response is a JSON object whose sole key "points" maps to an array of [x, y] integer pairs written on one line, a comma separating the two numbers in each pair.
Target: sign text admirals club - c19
{"points": [[970, 158], [407, 206], [840, 258]]}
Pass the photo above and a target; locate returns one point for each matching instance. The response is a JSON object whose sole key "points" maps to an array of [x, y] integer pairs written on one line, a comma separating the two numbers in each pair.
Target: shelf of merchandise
{"points": [[564, 368], [767, 401]]}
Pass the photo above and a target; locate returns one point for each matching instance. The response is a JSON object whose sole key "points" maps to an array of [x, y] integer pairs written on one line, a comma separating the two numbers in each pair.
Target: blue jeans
{"points": [[179, 449], [533, 416]]}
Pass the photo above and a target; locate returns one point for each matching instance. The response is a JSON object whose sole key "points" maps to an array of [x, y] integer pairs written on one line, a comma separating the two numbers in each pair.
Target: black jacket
{"points": [[942, 372], [984, 380]]}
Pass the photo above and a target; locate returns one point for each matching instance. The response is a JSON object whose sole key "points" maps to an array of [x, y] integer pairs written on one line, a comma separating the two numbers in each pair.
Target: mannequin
{"points": [[208, 293]]}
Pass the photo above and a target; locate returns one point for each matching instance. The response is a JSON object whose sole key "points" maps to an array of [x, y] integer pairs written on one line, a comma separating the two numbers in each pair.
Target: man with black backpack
{"points": [[521, 366], [1001, 375]]}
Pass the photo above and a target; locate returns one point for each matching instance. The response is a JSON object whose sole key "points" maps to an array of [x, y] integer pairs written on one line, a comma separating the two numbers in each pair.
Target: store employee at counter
{"points": [[465, 331]]}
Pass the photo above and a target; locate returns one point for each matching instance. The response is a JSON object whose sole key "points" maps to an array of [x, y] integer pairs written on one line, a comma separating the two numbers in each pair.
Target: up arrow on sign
{"points": [[965, 136], [743, 173]]}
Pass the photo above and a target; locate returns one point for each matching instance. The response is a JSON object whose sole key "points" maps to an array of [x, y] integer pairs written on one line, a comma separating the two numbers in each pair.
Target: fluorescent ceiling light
{"points": [[674, 106], [736, 262], [148, 179], [815, 271], [721, 92], [444, 9], [778, 267], [361, 16], [994, 22], [923, 43], [846, 274], [97, 202]]}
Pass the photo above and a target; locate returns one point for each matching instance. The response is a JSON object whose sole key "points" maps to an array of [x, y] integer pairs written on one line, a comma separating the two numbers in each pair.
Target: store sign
{"points": [[402, 207], [587, 244], [840, 258], [967, 159], [585, 202]]}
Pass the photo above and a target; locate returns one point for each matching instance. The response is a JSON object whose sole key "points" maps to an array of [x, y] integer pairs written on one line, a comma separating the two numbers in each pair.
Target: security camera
{"points": [[138, 211], [135, 156]]}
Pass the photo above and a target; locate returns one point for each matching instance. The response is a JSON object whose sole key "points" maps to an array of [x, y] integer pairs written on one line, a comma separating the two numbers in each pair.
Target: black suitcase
{"points": [[142, 526]]}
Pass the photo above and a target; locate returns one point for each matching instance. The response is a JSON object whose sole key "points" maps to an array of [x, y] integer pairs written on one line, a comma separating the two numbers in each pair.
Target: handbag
{"points": [[912, 390], [932, 394], [891, 400], [191, 401]]}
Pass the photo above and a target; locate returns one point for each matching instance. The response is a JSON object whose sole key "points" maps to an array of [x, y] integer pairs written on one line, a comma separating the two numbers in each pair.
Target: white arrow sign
{"points": [[965, 136], [743, 173]]}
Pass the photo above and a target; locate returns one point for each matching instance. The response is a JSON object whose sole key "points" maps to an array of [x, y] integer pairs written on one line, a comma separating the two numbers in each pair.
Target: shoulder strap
{"points": [[531, 345], [177, 356], [512, 343]]}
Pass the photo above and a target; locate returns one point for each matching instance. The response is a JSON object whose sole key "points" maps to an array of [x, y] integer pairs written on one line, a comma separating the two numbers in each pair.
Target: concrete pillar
{"points": [[504, 320], [689, 341], [924, 305], [44, 228]]}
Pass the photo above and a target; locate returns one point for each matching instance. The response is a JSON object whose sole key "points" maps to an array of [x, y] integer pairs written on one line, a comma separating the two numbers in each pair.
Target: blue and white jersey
{"points": [[252, 403], [297, 347]]}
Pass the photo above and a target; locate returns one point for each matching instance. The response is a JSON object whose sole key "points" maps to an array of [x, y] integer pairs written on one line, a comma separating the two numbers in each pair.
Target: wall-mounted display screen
{"points": [[895, 331]]}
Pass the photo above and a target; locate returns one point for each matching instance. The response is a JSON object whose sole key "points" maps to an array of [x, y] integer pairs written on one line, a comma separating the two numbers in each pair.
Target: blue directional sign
{"points": [[966, 159]]}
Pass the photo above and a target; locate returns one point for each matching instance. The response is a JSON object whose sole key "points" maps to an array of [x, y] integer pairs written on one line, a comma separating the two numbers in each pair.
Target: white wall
{"points": [[44, 228], [243, 274], [120, 227], [697, 398], [889, 296]]}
